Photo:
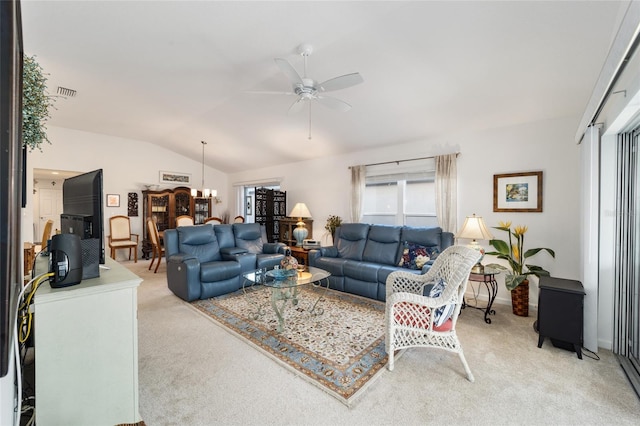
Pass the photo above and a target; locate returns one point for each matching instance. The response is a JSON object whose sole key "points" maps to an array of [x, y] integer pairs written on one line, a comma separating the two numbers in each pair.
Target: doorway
{"points": [[47, 199]]}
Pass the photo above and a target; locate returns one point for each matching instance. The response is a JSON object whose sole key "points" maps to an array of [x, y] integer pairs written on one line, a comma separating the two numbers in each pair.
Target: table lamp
{"points": [[475, 229], [300, 211]]}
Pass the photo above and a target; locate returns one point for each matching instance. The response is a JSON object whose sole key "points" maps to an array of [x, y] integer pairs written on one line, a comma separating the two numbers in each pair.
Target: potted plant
{"points": [[36, 104], [513, 252], [332, 223]]}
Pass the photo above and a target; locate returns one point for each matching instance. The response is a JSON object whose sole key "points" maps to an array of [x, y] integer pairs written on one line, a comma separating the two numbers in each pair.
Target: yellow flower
{"points": [[504, 224], [520, 230], [515, 251]]}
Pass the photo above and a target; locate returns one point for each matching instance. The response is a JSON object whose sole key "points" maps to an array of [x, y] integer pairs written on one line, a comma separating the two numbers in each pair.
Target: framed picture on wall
{"points": [[113, 200], [175, 178], [517, 192]]}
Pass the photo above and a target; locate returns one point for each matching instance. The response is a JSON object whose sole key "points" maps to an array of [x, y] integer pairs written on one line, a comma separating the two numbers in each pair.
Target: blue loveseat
{"points": [[207, 260], [364, 255]]}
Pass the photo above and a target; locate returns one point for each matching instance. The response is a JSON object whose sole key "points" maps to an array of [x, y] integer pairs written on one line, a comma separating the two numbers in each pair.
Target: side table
{"points": [[301, 255], [488, 278]]}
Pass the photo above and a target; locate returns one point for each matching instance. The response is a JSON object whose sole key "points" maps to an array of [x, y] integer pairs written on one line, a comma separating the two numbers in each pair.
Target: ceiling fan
{"points": [[307, 89]]}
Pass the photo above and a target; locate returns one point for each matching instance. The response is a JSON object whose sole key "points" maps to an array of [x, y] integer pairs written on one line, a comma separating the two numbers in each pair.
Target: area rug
{"points": [[341, 350]]}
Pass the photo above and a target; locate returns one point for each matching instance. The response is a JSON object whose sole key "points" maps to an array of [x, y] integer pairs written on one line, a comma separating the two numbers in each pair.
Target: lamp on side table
{"points": [[300, 211], [475, 229]]}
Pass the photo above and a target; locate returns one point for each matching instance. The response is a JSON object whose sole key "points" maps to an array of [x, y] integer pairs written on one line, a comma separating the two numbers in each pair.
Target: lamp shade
{"points": [[474, 228], [300, 210]]}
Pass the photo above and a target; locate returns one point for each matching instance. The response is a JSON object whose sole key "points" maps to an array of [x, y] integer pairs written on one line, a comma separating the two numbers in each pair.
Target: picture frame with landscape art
{"points": [[175, 178], [517, 192]]}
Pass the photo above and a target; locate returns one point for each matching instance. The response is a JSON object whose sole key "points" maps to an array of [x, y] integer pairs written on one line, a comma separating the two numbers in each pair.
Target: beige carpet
{"points": [[193, 372]]}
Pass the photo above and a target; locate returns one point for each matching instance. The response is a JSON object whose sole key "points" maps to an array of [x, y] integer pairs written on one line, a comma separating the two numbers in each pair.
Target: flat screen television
{"points": [[82, 196], [11, 176]]}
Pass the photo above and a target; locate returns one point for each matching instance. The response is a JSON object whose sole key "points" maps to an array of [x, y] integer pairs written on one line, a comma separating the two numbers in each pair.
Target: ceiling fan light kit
{"points": [[308, 89]]}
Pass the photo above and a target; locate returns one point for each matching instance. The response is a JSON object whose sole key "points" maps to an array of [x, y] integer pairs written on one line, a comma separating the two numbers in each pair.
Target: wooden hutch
{"points": [[165, 205]]}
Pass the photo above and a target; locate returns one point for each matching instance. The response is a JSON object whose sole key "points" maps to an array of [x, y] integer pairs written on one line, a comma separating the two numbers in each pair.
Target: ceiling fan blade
{"points": [[296, 106], [333, 103], [289, 71], [341, 82], [267, 92]]}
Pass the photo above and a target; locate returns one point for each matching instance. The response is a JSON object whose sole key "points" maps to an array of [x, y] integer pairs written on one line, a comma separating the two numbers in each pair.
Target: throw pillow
{"points": [[414, 256], [441, 314], [433, 252]]}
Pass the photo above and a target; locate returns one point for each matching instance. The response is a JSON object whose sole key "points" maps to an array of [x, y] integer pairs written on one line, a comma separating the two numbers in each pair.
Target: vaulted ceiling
{"points": [[176, 73]]}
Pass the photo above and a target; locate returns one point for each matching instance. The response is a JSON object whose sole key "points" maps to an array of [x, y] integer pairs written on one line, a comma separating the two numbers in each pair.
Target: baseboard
{"points": [[483, 298]]}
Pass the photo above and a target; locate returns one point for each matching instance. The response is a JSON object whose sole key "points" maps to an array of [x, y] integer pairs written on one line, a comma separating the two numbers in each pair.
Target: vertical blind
{"points": [[626, 336]]}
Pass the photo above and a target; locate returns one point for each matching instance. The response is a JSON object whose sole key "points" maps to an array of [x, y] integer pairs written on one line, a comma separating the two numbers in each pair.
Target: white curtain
{"points": [[446, 191], [358, 174]]}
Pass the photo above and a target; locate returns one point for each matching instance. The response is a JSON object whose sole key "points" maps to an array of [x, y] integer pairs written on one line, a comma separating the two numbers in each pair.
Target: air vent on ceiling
{"points": [[70, 93]]}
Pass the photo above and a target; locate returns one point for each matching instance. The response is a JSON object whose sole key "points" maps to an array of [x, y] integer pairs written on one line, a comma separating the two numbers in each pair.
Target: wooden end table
{"points": [[301, 254]]}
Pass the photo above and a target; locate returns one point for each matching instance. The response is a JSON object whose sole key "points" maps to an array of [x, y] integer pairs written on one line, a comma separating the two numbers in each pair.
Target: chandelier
{"points": [[206, 192]]}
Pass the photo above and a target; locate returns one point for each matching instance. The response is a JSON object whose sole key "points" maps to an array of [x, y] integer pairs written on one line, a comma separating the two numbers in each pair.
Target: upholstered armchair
{"points": [[120, 236], [413, 319]]}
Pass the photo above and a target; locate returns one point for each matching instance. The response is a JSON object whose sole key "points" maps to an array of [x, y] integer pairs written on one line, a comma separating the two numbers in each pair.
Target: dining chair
{"points": [[46, 235], [184, 220], [121, 237], [213, 220], [238, 219], [157, 247]]}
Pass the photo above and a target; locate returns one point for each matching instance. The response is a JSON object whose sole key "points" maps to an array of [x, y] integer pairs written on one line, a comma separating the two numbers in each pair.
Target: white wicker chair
{"points": [[409, 318]]}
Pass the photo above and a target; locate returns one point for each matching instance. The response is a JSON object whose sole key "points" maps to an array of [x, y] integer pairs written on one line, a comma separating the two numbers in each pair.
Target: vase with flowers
{"points": [[513, 252], [333, 222]]}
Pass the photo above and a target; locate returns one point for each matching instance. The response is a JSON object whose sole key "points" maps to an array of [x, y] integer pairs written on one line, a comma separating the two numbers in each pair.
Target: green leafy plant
{"points": [[36, 104], [514, 253], [332, 223]]}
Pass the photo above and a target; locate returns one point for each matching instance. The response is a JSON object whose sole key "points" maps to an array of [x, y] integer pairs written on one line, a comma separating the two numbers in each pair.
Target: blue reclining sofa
{"points": [[207, 260], [364, 255]]}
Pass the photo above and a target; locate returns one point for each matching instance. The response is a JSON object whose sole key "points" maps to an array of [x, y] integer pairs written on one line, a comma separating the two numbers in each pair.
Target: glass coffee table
{"points": [[285, 286]]}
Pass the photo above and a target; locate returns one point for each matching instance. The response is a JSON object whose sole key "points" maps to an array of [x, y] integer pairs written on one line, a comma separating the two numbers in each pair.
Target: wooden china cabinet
{"points": [[165, 205]]}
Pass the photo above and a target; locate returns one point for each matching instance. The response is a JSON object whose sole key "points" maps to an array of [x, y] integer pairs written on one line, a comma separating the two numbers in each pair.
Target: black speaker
{"points": [[65, 260], [90, 258]]}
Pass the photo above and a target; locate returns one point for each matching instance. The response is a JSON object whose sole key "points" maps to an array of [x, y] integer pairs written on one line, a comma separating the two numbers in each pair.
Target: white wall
{"points": [[324, 185], [128, 165]]}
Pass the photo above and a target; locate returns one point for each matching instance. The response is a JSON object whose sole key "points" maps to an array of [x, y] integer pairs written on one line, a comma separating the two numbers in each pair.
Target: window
{"points": [[401, 194]]}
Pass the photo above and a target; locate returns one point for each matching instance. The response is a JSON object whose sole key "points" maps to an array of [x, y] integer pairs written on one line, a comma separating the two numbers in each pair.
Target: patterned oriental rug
{"points": [[341, 350]]}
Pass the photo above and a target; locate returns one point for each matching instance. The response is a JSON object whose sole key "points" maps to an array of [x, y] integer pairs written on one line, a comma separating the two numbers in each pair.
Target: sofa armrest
{"points": [[274, 248], [181, 257], [316, 254], [330, 251], [183, 276]]}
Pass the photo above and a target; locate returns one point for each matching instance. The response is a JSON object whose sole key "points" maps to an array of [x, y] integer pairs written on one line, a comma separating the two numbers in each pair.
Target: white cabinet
{"points": [[86, 350]]}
